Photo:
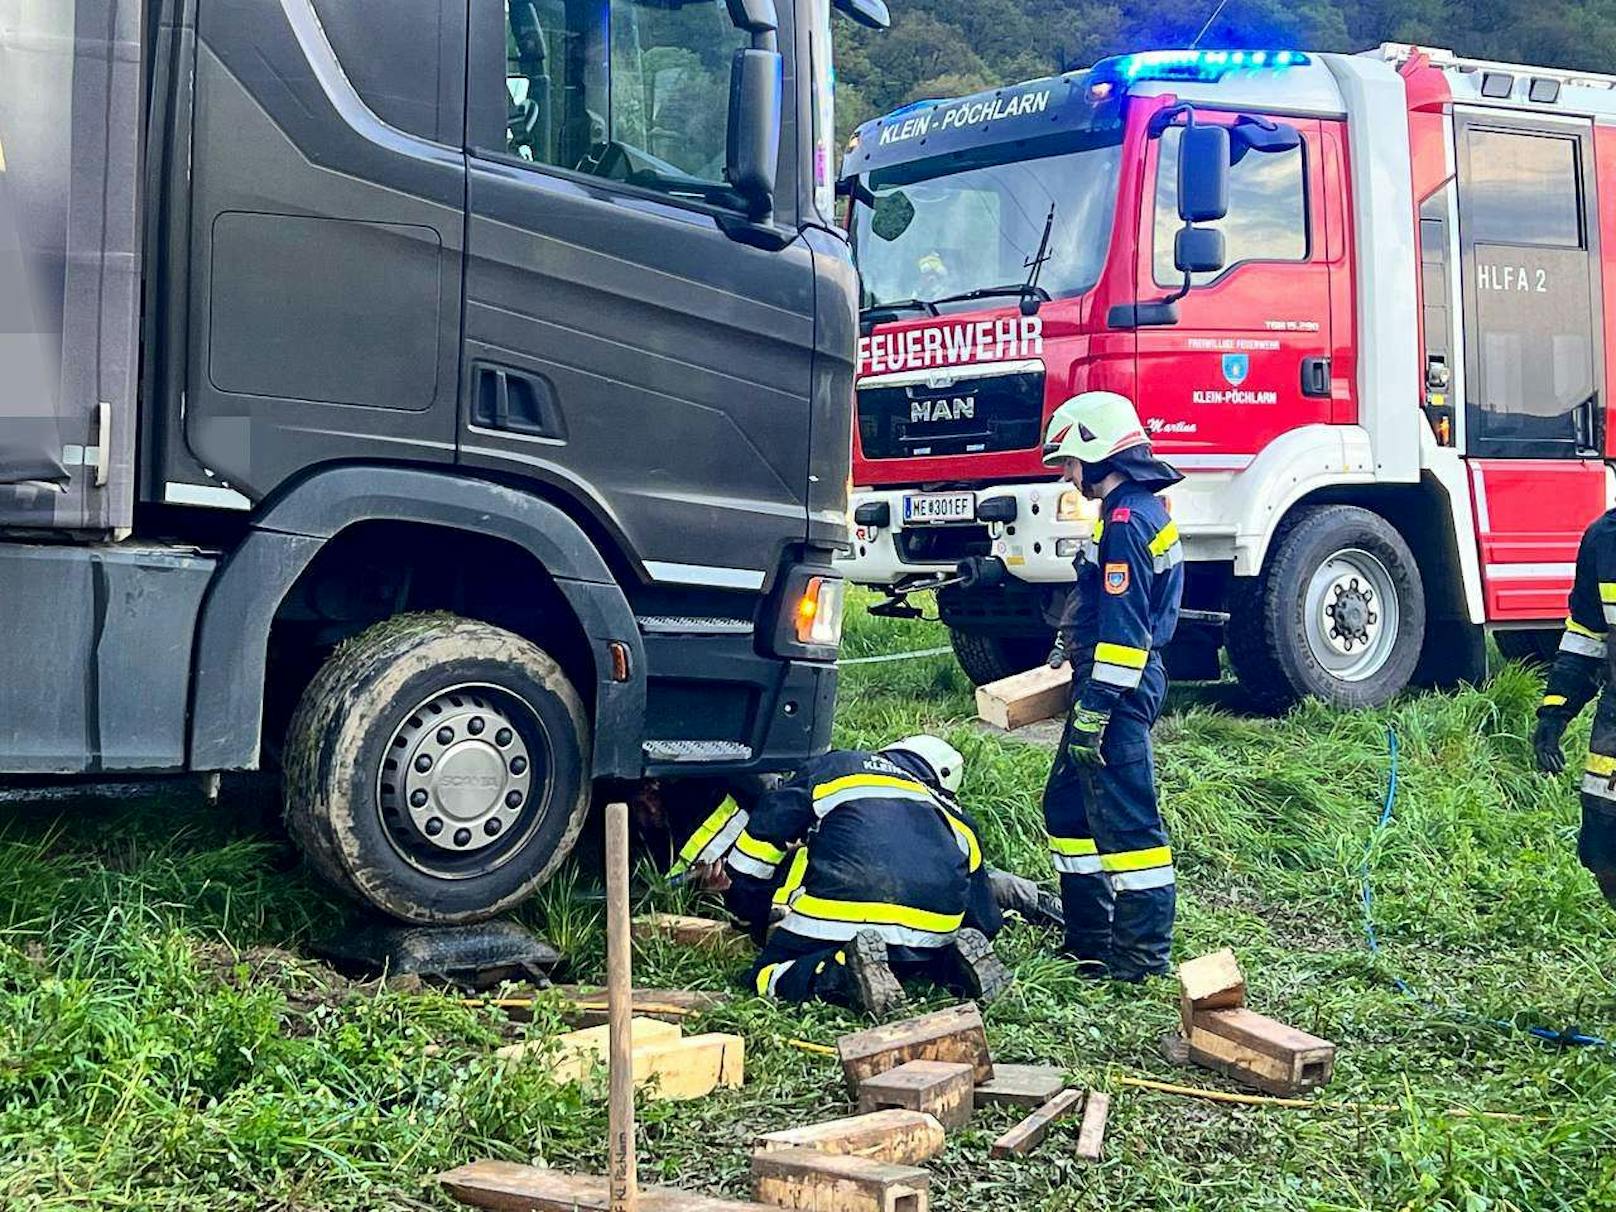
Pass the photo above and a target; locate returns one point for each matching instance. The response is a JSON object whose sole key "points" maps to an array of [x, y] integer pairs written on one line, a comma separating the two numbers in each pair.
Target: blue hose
{"points": [[1366, 895]]}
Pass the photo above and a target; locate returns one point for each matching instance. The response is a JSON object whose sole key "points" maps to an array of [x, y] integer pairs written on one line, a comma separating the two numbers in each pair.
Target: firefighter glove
{"points": [[1084, 736], [1057, 654], [1546, 744]]}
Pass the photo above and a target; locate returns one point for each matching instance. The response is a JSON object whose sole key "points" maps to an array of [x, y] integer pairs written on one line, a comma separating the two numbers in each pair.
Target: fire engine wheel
{"points": [[436, 769], [987, 658], [1338, 613]]}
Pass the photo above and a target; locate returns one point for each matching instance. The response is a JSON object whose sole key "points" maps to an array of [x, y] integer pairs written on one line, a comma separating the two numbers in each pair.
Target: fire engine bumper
{"points": [[1032, 529]]}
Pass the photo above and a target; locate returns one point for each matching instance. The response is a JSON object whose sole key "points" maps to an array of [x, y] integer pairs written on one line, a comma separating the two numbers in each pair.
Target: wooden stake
{"points": [[620, 1009]]}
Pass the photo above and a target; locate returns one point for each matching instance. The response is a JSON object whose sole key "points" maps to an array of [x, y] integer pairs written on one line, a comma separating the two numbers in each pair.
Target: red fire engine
{"points": [[1358, 299]]}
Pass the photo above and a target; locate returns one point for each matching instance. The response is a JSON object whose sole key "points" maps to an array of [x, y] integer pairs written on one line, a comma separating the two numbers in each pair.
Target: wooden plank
{"points": [[1209, 982], [586, 1004], [940, 1088], [1091, 1134], [622, 1160], [685, 931], [1025, 698], [1263, 1034], [904, 1138], [682, 1069], [508, 1187], [1026, 1135], [1020, 1086], [955, 1034], [578, 1051], [812, 1181], [1261, 1052]]}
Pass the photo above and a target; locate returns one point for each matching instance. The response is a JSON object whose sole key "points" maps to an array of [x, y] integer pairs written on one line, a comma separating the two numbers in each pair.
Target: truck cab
{"points": [[443, 401], [1334, 353]]}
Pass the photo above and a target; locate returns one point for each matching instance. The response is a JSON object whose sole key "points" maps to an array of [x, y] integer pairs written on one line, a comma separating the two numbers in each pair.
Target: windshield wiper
{"points": [[891, 311], [1031, 294], [1013, 289]]}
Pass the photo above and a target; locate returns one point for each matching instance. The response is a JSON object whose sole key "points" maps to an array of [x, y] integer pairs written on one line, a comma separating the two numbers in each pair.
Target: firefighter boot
{"points": [[981, 974], [874, 986]]}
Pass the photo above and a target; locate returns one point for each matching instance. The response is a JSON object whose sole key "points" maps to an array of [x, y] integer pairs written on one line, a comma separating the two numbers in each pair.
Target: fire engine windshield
{"points": [[978, 228]]}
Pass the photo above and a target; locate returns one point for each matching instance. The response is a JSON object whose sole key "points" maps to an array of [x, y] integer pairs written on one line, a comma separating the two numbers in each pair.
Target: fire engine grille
{"points": [[972, 415]]}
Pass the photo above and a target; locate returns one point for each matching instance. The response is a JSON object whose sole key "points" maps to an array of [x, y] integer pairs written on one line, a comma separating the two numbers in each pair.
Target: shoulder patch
{"points": [[1117, 578], [1121, 514]]}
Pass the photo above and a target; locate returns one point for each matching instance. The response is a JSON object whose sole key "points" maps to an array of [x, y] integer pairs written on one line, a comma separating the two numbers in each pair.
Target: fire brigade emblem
{"points": [[1235, 368], [1116, 578]]}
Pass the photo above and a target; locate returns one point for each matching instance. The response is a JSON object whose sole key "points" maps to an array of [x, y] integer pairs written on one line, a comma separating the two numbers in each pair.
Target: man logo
{"points": [[1235, 368], [948, 408]]}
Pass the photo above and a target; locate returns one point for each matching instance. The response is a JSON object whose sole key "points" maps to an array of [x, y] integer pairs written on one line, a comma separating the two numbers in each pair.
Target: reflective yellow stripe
{"points": [[762, 851], [1607, 591], [794, 877], [1099, 528], [853, 782], [1165, 538], [1577, 628], [1121, 654], [973, 848], [710, 828], [876, 913], [1137, 860], [1601, 765], [1073, 847], [763, 978], [1554, 700]]}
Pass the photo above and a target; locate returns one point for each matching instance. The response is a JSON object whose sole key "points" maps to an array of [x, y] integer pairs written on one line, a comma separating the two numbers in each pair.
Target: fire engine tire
{"points": [[987, 658], [1534, 647], [1338, 613], [437, 769]]}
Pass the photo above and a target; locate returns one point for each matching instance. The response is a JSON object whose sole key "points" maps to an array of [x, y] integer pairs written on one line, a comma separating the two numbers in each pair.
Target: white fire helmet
{"points": [[944, 761], [1093, 426]]}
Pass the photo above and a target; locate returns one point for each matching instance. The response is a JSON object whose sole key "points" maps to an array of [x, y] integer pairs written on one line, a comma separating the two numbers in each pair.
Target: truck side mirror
{"points": [[752, 152], [1198, 250], [1203, 174]]}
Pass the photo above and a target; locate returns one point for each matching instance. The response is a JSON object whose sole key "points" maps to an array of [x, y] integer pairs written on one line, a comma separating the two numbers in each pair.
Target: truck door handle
{"points": [[518, 403], [1315, 376]]}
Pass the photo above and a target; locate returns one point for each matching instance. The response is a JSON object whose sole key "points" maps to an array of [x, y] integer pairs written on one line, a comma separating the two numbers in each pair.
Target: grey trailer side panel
{"points": [[70, 110], [95, 673]]}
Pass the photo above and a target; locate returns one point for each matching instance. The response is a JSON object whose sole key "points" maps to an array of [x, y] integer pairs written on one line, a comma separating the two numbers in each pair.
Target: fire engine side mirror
{"points": [[1203, 174], [1198, 250]]}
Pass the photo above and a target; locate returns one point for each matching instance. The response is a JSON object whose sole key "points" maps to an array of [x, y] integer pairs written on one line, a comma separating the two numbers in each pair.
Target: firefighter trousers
{"points": [[794, 968], [1596, 844], [1109, 845]]}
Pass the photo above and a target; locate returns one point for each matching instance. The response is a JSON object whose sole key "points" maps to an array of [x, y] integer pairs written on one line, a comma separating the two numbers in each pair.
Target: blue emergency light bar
{"points": [[1204, 65]]}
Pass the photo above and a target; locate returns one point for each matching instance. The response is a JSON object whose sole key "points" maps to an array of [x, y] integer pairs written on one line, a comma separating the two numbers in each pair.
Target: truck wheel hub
{"points": [[459, 772], [1351, 615]]}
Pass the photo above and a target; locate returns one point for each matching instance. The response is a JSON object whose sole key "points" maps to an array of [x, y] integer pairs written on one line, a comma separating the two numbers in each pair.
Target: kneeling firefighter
{"points": [[878, 874], [1583, 668], [1106, 835]]}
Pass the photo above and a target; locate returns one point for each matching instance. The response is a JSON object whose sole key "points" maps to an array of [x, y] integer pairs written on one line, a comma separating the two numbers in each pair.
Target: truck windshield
{"points": [[976, 229]]}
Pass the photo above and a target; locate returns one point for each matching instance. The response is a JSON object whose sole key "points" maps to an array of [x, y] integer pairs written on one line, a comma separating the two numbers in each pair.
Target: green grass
{"points": [[162, 1045]]}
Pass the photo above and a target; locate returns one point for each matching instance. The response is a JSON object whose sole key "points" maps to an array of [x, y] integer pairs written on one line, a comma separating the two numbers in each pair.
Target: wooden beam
{"points": [[683, 930], [621, 1159], [1091, 1133], [1020, 1086], [1209, 982], [576, 1052], [1260, 1051], [682, 1069], [586, 1005], [508, 1187], [829, 1182], [940, 1088], [904, 1138], [955, 1034], [1025, 698], [1027, 1135]]}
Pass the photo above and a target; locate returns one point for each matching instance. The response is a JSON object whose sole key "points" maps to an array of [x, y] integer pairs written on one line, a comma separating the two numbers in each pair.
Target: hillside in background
{"points": [[940, 48]]}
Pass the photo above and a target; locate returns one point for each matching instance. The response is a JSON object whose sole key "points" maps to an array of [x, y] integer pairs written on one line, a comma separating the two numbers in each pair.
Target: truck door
{"points": [[1249, 358], [1531, 422], [629, 338]]}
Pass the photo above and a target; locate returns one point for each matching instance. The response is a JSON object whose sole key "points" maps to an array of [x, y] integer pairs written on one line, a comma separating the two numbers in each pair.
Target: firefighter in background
{"points": [[1581, 670], [1105, 829], [874, 874]]}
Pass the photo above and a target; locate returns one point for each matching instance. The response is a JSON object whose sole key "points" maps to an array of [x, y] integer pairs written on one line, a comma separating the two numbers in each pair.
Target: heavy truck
{"points": [[445, 403], [1364, 302]]}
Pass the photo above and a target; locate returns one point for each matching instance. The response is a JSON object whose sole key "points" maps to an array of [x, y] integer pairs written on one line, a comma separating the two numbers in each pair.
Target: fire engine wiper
{"points": [[1031, 294], [876, 312], [1020, 289]]}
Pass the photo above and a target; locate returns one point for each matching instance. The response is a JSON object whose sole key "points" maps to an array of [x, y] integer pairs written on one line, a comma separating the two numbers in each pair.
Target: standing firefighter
{"points": [[1581, 670], [1105, 829], [878, 874]]}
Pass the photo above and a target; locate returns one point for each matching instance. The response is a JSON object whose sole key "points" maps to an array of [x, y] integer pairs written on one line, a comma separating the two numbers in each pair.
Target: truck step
{"points": [[693, 625], [697, 751]]}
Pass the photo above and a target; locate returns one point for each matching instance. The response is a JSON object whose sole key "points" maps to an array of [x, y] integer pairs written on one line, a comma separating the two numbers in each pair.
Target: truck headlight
{"points": [[819, 612]]}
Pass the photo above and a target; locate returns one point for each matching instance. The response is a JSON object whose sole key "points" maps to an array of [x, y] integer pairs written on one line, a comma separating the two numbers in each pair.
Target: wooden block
{"points": [[508, 1187], [1091, 1134], [828, 1182], [955, 1034], [703, 932], [1260, 1051], [681, 1069], [1211, 982], [1025, 698], [1026, 1135], [1020, 1086], [904, 1138], [940, 1088], [586, 1005], [577, 1051]]}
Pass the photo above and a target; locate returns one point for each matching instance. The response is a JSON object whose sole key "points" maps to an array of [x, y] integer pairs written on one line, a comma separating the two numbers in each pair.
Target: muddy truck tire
{"points": [[437, 769]]}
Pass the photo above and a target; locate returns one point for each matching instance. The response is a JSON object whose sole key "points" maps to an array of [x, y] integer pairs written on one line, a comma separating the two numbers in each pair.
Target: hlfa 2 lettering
{"points": [[1514, 278], [952, 345], [969, 113]]}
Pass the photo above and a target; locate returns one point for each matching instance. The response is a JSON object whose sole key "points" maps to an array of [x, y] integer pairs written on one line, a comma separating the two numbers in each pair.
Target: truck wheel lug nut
{"points": [[424, 763], [476, 726], [462, 837], [513, 799], [445, 735], [503, 737], [492, 826], [434, 827], [518, 765], [418, 799]]}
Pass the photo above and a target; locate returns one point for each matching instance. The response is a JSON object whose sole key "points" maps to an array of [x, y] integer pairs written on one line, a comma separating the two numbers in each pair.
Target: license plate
{"points": [[927, 508]]}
